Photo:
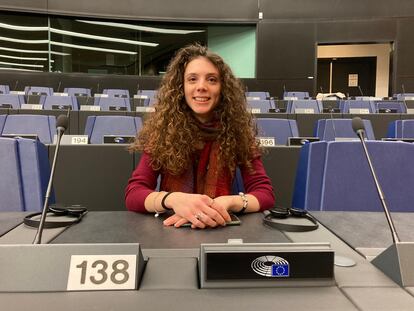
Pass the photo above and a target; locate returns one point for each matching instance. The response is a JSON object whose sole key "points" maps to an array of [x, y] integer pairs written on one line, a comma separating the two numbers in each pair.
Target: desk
{"points": [[361, 287]]}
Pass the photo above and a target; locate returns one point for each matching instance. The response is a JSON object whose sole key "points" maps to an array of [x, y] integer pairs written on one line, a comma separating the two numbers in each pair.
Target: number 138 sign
{"points": [[102, 272]]}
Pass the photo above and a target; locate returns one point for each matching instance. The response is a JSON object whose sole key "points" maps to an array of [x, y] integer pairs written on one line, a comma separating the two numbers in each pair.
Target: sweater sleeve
{"points": [[259, 184], [142, 182]]}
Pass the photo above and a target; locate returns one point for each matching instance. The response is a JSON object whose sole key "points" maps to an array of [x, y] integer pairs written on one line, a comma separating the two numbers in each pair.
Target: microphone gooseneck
{"points": [[359, 129], [61, 126]]}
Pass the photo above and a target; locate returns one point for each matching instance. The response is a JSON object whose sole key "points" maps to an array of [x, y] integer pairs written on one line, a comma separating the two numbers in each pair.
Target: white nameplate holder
{"points": [[141, 96], [18, 92], [60, 94], [31, 107], [252, 265], [90, 108], [101, 95], [144, 109], [358, 110], [70, 267], [305, 110], [290, 98], [410, 110], [72, 139], [253, 98], [267, 141], [255, 110]]}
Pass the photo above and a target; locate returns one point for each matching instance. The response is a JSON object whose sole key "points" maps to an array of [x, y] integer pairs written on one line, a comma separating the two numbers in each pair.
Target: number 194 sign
{"points": [[102, 272]]}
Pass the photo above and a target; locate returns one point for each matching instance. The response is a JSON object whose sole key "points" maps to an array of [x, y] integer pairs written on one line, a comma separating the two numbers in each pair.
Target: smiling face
{"points": [[202, 87]]}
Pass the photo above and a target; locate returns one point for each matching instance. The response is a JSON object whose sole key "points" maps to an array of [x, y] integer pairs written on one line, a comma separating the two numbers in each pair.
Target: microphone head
{"points": [[62, 122], [358, 125]]}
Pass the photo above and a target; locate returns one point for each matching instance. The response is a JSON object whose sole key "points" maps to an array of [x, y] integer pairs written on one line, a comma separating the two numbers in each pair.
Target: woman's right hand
{"points": [[195, 208]]}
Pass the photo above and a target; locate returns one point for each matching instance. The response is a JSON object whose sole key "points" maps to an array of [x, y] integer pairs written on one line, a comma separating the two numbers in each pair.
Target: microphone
{"points": [[396, 260], [97, 88], [360, 90], [15, 85], [61, 126], [321, 89], [58, 88], [359, 129]]}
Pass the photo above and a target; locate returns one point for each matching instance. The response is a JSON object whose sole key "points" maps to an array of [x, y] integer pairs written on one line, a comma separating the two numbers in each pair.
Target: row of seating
{"points": [[335, 176], [355, 106], [25, 171], [97, 127]]}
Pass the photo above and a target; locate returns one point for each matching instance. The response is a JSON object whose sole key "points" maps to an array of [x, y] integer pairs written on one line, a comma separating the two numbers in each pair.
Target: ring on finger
{"points": [[199, 216]]}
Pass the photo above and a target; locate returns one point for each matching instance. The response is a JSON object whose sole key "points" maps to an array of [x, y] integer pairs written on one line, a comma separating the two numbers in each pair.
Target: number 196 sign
{"points": [[102, 272]]}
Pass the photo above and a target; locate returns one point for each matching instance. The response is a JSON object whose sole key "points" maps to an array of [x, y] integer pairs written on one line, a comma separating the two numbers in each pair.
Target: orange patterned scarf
{"points": [[204, 176]]}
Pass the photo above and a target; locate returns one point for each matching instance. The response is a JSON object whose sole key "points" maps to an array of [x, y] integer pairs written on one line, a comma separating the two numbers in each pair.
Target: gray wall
{"points": [[287, 36]]}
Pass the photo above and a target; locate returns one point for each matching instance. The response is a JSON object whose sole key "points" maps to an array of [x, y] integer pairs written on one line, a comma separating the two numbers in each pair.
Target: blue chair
{"points": [[297, 94], [335, 176], [257, 95], [147, 93], [38, 90], [99, 126], [121, 93], [350, 104], [77, 91], [263, 105], [4, 89], [330, 129], [388, 106], [25, 173], [60, 103], [13, 100], [403, 96], [311, 105], [42, 126], [113, 103], [401, 129], [280, 129]]}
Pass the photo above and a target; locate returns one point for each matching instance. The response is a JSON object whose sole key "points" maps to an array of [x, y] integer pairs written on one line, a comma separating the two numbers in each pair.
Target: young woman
{"points": [[197, 136]]}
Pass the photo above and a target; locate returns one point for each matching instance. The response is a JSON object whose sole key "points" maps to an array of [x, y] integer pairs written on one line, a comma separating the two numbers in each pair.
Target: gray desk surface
{"points": [[367, 229], [361, 287], [10, 220]]}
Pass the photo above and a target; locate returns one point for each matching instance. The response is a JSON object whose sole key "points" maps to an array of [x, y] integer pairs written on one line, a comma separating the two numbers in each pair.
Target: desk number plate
{"points": [[102, 272], [267, 141]]}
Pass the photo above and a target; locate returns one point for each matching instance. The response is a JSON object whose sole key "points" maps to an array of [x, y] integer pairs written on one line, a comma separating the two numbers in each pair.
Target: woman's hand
{"points": [[200, 210]]}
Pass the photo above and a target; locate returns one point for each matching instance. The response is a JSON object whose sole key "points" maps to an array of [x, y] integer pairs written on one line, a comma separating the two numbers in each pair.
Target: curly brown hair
{"points": [[171, 134]]}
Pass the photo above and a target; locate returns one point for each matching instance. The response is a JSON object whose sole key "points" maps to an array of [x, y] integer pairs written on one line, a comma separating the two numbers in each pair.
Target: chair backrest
{"points": [[310, 105], [280, 129], [336, 176], [330, 129], [38, 90], [24, 174], [263, 105], [257, 95], [147, 93], [43, 126], [77, 91], [401, 129], [99, 126], [11, 99], [297, 94], [2, 121], [4, 89], [121, 93], [389, 106], [112, 103], [62, 102], [357, 104]]}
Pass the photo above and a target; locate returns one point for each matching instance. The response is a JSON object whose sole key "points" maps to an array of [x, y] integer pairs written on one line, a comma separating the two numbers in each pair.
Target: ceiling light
{"points": [[21, 65], [18, 69], [84, 47], [24, 41], [33, 51], [23, 58], [143, 28]]}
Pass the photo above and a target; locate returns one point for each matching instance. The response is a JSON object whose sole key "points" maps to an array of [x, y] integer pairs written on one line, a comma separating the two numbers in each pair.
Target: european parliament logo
{"points": [[271, 266]]}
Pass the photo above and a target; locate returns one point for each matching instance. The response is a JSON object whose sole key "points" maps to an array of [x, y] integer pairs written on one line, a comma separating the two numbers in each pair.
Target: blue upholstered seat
{"points": [[257, 95], [395, 106], [4, 89], [401, 129], [147, 93], [263, 105], [60, 101], [336, 176], [121, 93], [43, 126], [350, 104], [280, 129], [77, 91], [113, 103], [297, 94], [310, 105], [38, 90], [15, 101], [330, 129], [99, 126], [24, 174]]}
